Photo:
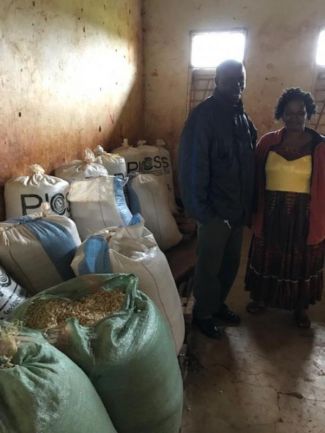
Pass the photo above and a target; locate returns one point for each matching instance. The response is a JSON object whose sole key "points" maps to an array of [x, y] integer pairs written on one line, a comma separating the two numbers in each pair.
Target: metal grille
{"points": [[202, 86], [318, 120]]}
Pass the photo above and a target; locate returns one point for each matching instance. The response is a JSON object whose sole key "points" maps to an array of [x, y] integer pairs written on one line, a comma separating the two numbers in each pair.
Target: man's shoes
{"points": [[209, 327], [302, 320], [227, 316], [255, 307]]}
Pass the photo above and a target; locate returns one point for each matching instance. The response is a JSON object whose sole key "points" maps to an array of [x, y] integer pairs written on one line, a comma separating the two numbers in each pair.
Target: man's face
{"points": [[231, 83]]}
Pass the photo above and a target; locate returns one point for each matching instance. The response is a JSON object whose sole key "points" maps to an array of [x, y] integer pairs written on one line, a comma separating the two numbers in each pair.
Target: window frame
{"points": [[320, 30], [192, 69]]}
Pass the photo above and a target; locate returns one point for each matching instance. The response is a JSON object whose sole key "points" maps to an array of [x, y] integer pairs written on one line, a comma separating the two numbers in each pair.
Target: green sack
{"points": [[129, 355], [43, 391]]}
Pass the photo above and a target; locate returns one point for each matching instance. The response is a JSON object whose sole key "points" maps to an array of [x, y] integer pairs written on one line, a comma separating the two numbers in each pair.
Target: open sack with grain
{"points": [[42, 390], [117, 336], [134, 249]]}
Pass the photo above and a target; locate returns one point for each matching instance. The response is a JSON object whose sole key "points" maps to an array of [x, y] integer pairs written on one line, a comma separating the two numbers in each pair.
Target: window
{"points": [[208, 50], [320, 55], [211, 48], [318, 120]]}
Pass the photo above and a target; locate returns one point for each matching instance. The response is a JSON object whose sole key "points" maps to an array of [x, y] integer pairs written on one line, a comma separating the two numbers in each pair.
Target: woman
{"points": [[285, 266]]}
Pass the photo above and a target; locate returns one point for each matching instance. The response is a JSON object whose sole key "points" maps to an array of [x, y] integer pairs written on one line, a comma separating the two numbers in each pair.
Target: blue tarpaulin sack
{"points": [[37, 251]]}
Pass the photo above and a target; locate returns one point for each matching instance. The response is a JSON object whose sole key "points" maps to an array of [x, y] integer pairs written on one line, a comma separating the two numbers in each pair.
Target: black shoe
{"points": [[209, 328], [254, 307], [227, 316]]}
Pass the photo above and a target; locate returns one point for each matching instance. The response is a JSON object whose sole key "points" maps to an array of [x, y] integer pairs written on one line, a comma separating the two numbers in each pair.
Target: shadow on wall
{"points": [[70, 78], [120, 22]]}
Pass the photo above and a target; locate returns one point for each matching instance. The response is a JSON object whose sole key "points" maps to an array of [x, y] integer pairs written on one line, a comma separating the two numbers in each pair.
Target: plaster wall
{"points": [[70, 78], [280, 52]]}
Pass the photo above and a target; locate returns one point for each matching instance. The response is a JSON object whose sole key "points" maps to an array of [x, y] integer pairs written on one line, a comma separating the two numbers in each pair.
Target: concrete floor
{"points": [[266, 376]]}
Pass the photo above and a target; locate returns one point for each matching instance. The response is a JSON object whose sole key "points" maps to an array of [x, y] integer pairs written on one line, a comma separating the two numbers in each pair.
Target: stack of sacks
{"points": [[131, 156], [149, 197], [37, 249], [115, 164], [42, 390], [11, 294], [25, 194], [118, 337], [156, 160], [80, 170], [133, 249], [99, 203], [153, 160]]}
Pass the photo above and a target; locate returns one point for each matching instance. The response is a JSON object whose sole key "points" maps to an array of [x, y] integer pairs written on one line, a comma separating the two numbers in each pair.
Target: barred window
{"points": [[208, 50], [320, 53], [318, 120]]}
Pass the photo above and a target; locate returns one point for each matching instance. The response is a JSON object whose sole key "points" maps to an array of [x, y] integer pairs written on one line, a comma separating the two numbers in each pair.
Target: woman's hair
{"points": [[293, 94]]}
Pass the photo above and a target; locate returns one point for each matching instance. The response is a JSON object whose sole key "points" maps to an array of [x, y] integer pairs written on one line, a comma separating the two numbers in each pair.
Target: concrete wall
{"points": [[70, 77], [280, 51]]}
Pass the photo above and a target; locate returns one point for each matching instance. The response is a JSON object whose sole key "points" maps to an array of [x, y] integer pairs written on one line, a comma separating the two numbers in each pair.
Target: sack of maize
{"points": [[42, 390], [133, 249], [118, 337]]}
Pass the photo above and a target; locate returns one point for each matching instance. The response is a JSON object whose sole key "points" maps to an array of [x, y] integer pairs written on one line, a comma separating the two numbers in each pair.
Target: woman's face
{"points": [[295, 115]]}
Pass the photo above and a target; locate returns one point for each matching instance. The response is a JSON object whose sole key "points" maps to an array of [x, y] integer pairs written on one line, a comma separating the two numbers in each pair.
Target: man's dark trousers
{"points": [[219, 247]]}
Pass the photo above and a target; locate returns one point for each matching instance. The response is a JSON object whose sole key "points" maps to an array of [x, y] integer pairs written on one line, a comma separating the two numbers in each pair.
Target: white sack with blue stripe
{"points": [[11, 294], [26, 194], [149, 197], [99, 203], [37, 251], [81, 169], [133, 249]]}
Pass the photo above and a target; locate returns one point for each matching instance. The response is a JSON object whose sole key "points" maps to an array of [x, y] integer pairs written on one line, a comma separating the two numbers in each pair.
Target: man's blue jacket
{"points": [[216, 162]]}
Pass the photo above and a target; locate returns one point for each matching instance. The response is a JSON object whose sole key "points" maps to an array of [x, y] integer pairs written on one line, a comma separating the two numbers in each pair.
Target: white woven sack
{"points": [[114, 163], [98, 203], [149, 197], [37, 250], [131, 155], [150, 160], [156, 160], [25, 194], [133, 249], [80, 170], [11, 294]]}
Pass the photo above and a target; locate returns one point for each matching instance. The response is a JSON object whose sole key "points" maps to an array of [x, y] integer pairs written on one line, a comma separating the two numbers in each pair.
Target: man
{"points": [[216, 173]]}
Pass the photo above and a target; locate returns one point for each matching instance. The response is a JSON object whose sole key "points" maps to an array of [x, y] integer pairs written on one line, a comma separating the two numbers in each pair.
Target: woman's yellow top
{"points": [[290, 176]]}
